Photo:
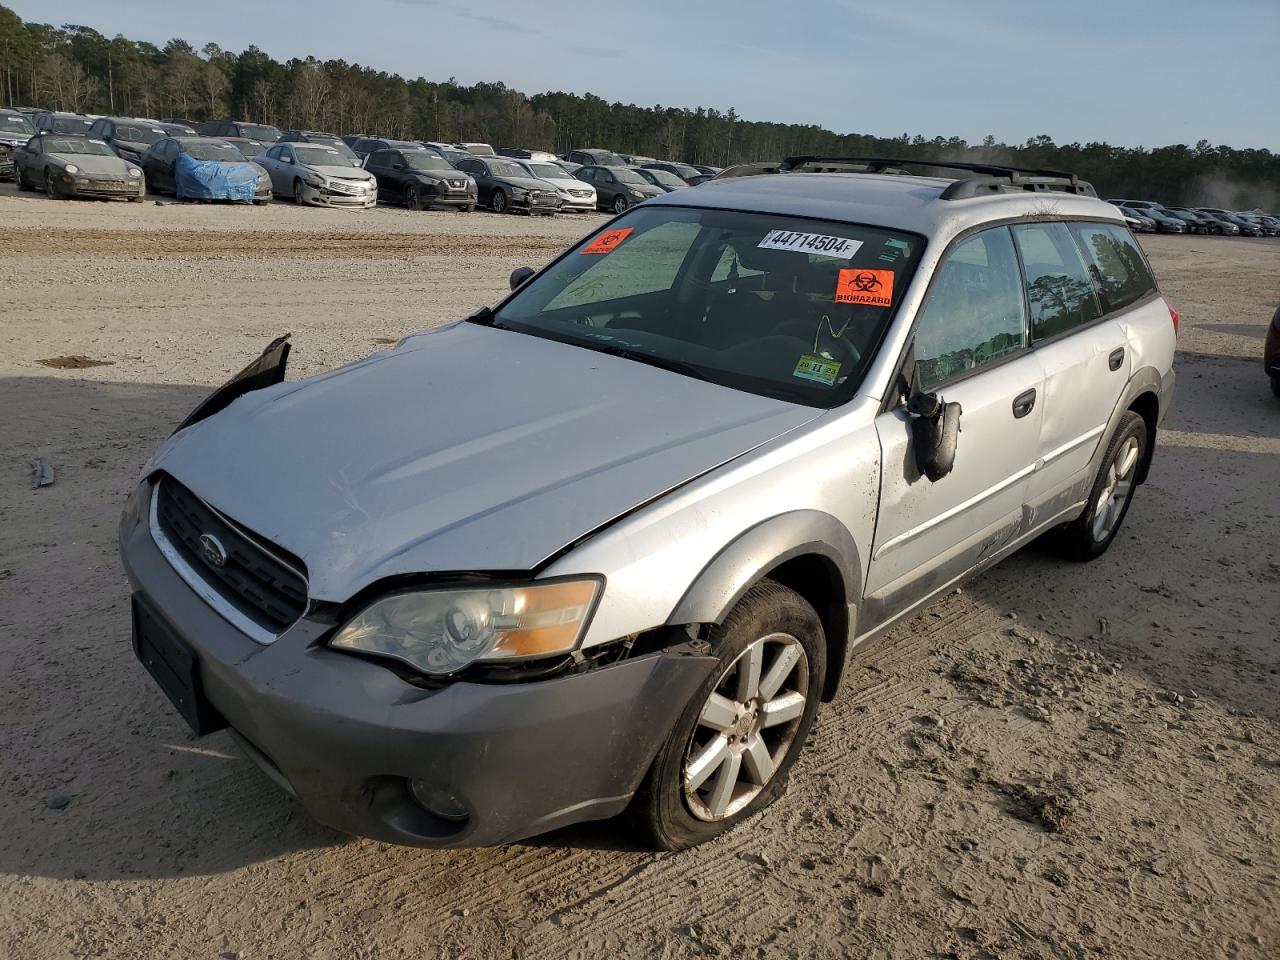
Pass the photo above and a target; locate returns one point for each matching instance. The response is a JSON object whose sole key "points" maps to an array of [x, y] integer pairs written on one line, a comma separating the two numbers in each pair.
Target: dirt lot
{"points": [[1060, 761]]}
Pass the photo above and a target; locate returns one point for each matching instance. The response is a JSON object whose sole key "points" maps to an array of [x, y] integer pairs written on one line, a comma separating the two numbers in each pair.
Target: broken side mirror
{"points": [[519, 275], [935, 430]]}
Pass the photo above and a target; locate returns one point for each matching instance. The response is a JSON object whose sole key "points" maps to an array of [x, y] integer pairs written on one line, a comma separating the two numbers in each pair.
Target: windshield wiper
{"points": [[664, 363]]}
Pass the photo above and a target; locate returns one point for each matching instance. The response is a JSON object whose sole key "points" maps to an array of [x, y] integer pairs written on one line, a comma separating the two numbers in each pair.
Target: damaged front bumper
{"points": [[348, 737]]}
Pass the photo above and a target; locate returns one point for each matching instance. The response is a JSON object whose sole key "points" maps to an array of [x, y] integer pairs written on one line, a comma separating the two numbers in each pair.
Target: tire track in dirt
{"points": [[256, 244]]}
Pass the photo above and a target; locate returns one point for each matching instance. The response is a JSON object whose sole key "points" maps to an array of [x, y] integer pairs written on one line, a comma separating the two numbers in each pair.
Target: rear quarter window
{"points": [[1117, 265]]}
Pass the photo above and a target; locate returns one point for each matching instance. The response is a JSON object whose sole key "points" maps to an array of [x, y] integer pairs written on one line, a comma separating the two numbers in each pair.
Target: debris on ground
{"points": [[76, 361], [41, 474]]}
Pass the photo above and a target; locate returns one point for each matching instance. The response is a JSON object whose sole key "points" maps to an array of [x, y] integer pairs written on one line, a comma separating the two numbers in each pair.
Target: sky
{"points": [[1128, 72]]}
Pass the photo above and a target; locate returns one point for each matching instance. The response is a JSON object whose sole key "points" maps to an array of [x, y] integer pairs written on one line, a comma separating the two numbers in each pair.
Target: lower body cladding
{"points": [[467, 764], [449, 201]]}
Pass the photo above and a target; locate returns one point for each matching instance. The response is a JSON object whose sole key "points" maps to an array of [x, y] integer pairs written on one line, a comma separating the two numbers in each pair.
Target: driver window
{"points": [[976, 313]]}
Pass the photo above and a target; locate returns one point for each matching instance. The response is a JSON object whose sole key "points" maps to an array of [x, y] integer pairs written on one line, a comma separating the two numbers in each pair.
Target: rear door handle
{"points": [[1023, 403], [1116, 358]]}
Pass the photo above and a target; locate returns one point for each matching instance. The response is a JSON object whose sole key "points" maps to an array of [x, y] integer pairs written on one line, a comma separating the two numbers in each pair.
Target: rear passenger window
{"points": [[976, 313], [1059, 291], [1116, 262]]}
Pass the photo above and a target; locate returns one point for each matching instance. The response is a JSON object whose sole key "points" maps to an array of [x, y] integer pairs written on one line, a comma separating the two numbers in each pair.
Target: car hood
{"points": [[526, 183], [342, 171], [439, 175], [464, 449], [93, 163]]}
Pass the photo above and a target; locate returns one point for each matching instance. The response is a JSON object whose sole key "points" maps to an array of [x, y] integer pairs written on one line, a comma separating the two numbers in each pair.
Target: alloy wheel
{"points": [[746, 727], [1109, 506], [619, 204]]}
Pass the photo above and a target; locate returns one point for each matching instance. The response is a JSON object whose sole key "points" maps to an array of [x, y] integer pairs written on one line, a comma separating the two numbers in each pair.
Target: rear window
{"points": [[1118, 265], [776, 305]]}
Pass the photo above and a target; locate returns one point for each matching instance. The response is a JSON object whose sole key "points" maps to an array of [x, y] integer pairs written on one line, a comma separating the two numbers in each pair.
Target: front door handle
{"points": [[1116, 358], [1023, 403]]}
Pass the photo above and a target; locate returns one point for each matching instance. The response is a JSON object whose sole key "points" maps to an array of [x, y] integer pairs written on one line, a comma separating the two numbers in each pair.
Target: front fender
{"points": [[766, 547]]}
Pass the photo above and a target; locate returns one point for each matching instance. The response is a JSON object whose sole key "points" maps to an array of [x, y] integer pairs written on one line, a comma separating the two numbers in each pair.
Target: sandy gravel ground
{"points": [[1060, 761]]}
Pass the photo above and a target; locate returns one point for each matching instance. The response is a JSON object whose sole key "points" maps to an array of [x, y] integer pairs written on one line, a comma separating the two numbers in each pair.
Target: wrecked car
{"points": [[66, 166], [606, 546], [204, 168]]}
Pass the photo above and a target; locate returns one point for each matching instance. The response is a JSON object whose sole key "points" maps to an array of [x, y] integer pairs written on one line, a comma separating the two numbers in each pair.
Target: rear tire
{"points": [[729, 754], [1275, 384], [1090, 534]]}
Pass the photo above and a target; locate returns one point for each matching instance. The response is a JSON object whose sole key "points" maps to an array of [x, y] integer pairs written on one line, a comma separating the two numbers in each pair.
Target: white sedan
{"points": [[317, 174], [575, 195]]}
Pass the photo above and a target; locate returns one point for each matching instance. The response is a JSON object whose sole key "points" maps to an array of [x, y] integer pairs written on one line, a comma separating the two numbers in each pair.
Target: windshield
{"points": [[249, 148], [259, 131], [422, 160], [549, 171], [627, 175], [213, 151], [134, 133], [92, 148], [70, 125], [15, 123], [317, 156], [505, 168], [664, 178], [606, 159], [782, 306]]}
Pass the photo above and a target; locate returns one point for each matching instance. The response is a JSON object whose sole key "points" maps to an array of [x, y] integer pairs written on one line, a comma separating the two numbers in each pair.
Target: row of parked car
{"points": [[68, 154], [1149, 216]]}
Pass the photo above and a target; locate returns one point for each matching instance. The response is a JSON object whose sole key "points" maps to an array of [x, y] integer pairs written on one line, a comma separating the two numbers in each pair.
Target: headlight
{"points": [[442, 631], [135, 172], [519, 193], [314, 180], [71, 168]]}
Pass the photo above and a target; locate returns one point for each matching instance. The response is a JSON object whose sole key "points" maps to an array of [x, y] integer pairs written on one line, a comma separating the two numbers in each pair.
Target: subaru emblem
{"points": [[212, 551]]}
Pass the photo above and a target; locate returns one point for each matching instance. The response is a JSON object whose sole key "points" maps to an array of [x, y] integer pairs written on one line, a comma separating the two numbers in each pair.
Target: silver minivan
{"points": [[606, 546]]}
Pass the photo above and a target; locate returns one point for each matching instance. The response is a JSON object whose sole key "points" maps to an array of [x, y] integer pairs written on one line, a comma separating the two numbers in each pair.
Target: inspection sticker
{"points": [[871, 288], [816, 368], [840, 248], [607, 241]]}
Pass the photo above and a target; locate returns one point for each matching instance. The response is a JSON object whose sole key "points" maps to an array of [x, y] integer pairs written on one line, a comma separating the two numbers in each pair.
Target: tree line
{"points": [[76, 68]]}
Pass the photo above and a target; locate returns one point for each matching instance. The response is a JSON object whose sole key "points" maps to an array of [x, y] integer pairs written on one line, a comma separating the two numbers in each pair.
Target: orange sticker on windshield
{"points": [[871, 288], [607, 241]]}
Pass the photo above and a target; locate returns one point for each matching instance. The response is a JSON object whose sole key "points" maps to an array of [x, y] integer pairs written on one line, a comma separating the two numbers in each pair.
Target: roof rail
{"points": [[991, 177]]}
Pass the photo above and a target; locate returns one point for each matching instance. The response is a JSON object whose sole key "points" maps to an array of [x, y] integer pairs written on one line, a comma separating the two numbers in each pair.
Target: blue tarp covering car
{"points": [[214, 179]]}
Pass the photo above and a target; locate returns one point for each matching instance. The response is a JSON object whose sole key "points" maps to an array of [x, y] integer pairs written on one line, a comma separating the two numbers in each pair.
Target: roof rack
{"points": [[991, 177]]}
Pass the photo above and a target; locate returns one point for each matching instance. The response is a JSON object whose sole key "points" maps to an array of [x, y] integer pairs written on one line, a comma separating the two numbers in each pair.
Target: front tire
{"points": [[49, 188], [729, 754], [23, 182], [619, 204], [498, 202], [298, 196], [1090, 534], [413, 197], [1275, 384]]}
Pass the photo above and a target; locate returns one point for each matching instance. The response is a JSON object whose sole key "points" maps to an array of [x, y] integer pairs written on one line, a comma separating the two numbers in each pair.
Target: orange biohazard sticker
{"points": [[608, 241], [871, 288]]}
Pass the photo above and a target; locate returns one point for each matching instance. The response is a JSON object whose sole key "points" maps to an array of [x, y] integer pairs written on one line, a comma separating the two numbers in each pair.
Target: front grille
{"points": [[261, 581], [579, 193], [457, 184]]}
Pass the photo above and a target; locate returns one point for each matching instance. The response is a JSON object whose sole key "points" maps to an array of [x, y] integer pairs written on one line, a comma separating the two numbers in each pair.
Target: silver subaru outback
{"points": [[606, 546]]}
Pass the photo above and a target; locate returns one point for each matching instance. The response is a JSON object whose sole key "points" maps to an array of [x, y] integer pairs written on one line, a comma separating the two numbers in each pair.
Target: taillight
{"points": [[1173, 314]]}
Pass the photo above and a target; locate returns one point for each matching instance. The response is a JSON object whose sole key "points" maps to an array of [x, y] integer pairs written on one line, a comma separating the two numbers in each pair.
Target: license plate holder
{"points": [[174, 666]]}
